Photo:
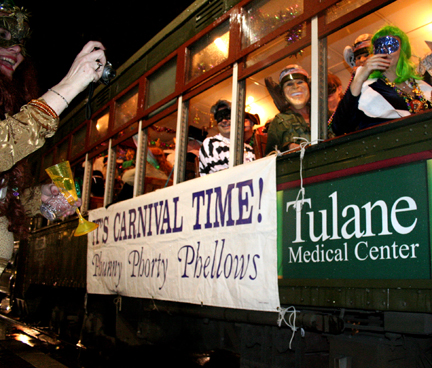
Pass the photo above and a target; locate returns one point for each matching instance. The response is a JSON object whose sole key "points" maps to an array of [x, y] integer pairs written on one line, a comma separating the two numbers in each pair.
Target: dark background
{"points": [[60, 30]]}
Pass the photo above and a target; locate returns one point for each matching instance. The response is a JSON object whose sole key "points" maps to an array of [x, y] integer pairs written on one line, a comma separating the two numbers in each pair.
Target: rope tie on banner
{"points": [[291, 321], [303, 145]]}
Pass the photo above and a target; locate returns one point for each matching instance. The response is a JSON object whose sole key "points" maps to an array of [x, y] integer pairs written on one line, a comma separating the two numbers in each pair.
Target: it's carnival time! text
{"points": [[210, 208]]}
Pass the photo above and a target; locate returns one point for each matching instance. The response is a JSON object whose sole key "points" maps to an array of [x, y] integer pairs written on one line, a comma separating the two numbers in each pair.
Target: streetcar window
{"points": [[78, 141], [78, 173], [125, 165], [209, 51], [259, 100], [342, 8], [264, 16], [292, 36], [48, 161], [416, 27], [202, 123], [99, 127], [160, 154], [62, 151], [161, 83], [97, 183], [126, 107]]}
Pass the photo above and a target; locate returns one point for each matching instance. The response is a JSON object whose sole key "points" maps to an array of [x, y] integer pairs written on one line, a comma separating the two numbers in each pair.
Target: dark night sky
{"points": [[61, 29]]}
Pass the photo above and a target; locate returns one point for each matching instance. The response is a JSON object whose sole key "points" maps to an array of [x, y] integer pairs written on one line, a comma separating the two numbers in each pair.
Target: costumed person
{"points": [[214, 152], [250, 121], [426, 65], [357, 55], [334, 92], [292, 98], [386, 87], [27, 120]]}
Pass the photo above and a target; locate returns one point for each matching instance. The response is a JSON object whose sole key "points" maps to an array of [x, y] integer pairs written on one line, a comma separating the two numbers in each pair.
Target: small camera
{"points": [[108, 73]]}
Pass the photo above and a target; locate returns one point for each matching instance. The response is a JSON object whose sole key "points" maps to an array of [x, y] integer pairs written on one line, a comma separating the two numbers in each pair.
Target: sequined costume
{"points": [[20, 135]]}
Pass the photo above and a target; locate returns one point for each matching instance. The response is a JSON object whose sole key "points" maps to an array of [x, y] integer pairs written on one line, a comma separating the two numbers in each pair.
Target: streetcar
{"points": [[232, 260]]}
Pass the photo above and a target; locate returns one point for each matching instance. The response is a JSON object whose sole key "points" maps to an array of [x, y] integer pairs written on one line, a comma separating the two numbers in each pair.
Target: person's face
{"points": [[297, 93], [334, 98], [248, 130], [360, 60], [224, 122], [10, 57]]}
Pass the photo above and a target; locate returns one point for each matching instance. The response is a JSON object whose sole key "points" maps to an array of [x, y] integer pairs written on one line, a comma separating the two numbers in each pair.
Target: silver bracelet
{"points": [[58, 94]]}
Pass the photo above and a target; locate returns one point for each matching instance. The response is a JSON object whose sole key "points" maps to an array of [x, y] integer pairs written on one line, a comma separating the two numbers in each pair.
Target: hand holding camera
{"points": [[86, 68]]}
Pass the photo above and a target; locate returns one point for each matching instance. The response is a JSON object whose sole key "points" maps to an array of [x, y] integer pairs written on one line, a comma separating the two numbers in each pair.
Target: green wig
{"points": [[405, 69]]}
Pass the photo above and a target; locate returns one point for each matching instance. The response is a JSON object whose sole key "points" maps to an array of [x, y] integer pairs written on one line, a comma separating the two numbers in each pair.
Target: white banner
{"points": [[209, 241]]}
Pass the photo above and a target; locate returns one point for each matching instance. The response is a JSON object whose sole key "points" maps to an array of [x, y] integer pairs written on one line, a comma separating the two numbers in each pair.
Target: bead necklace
{"points": [[414, 103]]}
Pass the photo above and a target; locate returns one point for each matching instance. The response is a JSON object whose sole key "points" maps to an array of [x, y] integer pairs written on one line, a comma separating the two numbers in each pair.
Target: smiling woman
{"points": [[293, 120], [26, 121]]}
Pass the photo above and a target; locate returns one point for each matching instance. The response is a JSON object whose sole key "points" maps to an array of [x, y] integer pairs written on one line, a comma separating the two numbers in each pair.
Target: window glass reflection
{"points": [[47, 161], [62, 151], [342, 8], [262, 17], [126, 107], [278, 44], [78, 141], [209, 51], [161, 83], [99, 127]]}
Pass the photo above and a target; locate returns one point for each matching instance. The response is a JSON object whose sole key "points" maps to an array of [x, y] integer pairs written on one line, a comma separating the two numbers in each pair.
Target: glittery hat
{"points": [[292, 71], [15, 21], [361, 46]]}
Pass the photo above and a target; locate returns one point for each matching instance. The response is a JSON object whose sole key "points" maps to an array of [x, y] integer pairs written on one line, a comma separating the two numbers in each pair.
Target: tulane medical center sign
{"points": [[209, 241], [373, 225]]}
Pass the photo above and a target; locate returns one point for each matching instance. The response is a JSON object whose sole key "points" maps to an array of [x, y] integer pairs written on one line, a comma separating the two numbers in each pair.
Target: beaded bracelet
{"points": [[58, 94], [43, 107]]}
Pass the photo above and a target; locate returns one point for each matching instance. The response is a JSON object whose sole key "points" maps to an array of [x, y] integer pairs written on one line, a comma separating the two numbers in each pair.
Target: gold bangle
{"points": [[43, 107]]}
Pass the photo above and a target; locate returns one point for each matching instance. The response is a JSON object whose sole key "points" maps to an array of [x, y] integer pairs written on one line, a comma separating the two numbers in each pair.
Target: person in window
{"points": [[27, 120], [335, 93], [357, 55], [292, 98], [214, 153], [386, 87]]}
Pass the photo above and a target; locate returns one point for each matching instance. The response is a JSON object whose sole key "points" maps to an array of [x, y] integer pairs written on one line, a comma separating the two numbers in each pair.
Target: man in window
{"points": [[214, 153]]}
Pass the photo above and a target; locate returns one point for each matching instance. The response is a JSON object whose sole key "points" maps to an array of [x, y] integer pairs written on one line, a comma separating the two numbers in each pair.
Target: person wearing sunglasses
{"points": [[386, 87], [214, 152]]}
